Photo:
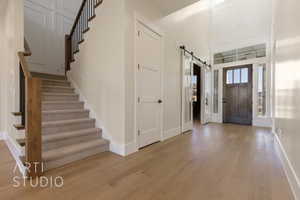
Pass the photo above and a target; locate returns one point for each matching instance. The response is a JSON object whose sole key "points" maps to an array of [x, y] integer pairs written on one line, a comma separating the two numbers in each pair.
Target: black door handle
{"points": [[224, 100], [159, 101]]}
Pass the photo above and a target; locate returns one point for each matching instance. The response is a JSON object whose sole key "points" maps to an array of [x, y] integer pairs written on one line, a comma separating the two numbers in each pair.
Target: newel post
{"points": [[33, 141]]}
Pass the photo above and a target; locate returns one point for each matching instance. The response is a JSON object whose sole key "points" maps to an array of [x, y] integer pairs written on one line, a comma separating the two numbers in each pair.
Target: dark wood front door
{"points": [[237, 95]]}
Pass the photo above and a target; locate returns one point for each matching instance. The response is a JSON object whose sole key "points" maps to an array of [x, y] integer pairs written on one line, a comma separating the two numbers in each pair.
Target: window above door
{"points": [[246, 53]]}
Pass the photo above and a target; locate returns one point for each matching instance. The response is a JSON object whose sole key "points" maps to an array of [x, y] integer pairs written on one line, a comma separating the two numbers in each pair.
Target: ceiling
{"points": [[170, 6]]}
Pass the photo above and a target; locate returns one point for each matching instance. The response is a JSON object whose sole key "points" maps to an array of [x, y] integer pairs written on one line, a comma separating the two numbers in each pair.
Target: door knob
{"points": [[224, 100], [160, 101]]}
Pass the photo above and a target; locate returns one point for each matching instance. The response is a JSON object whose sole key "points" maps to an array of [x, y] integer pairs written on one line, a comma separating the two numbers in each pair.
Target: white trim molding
{"points": [[1, 136], [262, 122], [289, 170], [16, 151], [130, 148], [172, 133], [123, 150]]}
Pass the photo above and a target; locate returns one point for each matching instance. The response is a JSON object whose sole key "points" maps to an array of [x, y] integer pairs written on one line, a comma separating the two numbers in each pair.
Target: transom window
{"points": [[237, 76], [251, 52]]}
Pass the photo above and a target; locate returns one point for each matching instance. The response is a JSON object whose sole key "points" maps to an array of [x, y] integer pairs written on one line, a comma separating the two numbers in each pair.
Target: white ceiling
{"points": [[170, 6]]}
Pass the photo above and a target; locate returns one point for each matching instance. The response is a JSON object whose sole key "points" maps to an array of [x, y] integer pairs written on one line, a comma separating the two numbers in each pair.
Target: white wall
{"points": [[287, 85], [170, 6], [237, 23], [189, 26], [99, 71], [46, 24], [11, 41]]}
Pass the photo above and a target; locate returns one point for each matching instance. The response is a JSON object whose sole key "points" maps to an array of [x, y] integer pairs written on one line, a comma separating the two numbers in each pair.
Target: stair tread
{"points": [[71, 149], [64, 111], [59, 94], [55, 80], [59, 136], [56, 87], [19, 126], [49, 76], [53, 123], [62, 102], [16, 113]]}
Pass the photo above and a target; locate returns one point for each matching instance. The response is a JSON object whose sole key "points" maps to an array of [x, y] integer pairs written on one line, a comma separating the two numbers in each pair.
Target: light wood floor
{"points": [[216, 162]]}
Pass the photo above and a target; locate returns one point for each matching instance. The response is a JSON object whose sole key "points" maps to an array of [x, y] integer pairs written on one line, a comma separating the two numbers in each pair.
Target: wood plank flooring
{"points": [[215, 162]]}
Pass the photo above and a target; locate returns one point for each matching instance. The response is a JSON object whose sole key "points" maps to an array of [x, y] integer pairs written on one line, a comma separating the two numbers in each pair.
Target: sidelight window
{"points": [[261, 90], [216, 91]]}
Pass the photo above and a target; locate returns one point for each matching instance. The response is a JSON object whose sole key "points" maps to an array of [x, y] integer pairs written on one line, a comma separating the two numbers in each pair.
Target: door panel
{"points": [[237, 101], [149, 54], [187, 93]]}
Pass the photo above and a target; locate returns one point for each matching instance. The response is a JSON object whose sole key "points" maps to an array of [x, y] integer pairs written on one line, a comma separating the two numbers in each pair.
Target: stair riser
{"points": [[68, 127], [60, 98], [62, 106], [53, 83], [70, 141], [74, 157], [59, 90], [64, 116]]}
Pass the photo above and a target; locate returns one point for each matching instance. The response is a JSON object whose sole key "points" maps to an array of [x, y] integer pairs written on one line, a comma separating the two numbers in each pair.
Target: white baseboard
{"points": [[1, 136], [123, 150], [130, 148], [288, 168], [262, 122], [117, 148], [16, 151], [172, 133]]}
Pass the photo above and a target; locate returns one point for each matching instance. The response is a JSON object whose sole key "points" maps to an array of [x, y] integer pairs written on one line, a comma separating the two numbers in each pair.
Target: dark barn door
{"points": [[197, 93], [237, 93]]}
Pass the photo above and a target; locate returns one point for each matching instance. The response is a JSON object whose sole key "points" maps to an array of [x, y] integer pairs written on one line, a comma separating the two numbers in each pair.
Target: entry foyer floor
{"points": [[216, 162]]}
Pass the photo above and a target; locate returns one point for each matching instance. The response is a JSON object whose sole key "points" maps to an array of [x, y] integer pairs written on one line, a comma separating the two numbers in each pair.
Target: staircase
{"points": [[58, 130], [68, 133]]}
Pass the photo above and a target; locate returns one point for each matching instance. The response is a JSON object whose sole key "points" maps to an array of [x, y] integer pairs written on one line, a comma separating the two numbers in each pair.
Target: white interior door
{"points": [[148, 86], [187, 93]]}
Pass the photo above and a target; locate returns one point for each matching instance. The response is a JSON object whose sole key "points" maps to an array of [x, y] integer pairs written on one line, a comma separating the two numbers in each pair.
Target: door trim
{"points": [[138, 19]]}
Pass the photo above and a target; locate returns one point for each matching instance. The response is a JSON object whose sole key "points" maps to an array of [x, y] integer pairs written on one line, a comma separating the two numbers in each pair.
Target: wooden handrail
{"points": [[85, 14], [80, 11], [27, 48], [24, 64], [78, 16], [31, 115]]}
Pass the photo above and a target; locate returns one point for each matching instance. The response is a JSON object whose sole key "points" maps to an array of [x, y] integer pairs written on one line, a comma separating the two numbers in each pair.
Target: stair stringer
{"points": [[17, 152]]}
